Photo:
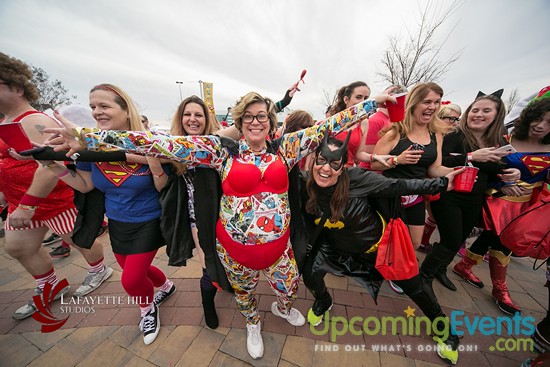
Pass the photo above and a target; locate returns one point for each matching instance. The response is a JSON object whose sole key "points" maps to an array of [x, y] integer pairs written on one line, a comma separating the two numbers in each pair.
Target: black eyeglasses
{"points": [[321, 161], [248, 119], [451, 119]]}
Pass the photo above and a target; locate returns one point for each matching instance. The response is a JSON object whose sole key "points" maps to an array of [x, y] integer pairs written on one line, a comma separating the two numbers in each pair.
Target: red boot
{"points": [[498, 263], [464, 268]]}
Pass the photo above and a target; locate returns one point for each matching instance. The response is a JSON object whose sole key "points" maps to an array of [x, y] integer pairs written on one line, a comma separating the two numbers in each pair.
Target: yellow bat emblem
{"points": [[331, 225]]}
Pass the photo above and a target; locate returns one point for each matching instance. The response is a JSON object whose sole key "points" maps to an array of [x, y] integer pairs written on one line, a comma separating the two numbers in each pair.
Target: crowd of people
{"points": [[310, 203]]}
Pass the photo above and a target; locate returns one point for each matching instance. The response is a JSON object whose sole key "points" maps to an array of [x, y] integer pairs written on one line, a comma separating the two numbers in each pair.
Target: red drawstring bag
{"points": [[528, 233], [396, 259]]}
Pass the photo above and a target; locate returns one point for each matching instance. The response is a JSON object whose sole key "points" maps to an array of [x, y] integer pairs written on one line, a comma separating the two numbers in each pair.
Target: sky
{"points": [[260, 45]]}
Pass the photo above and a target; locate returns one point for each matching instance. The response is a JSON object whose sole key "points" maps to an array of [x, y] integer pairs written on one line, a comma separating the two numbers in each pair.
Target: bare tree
{"points": [[327, 100], [512, 99], [52, 93], [416, 57]]}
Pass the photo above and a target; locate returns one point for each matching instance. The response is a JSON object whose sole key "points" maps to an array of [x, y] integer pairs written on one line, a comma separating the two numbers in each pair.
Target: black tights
{"points": [[488, 239]]}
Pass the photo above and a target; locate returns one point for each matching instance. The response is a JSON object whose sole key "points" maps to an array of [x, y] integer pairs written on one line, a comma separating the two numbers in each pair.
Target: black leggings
{"points": [[488, 239], [455, 218]]}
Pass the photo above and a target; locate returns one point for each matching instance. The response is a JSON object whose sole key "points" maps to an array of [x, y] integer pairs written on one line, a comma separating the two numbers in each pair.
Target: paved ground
{"points": [[109, 335]]}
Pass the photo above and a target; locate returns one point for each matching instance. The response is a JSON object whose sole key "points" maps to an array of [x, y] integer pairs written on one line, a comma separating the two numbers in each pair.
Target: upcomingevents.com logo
{"points": [[43, 303]]}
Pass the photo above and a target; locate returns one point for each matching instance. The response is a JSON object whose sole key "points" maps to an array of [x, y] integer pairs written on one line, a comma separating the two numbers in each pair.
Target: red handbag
{"points": [[528, 233], [396, 259]]}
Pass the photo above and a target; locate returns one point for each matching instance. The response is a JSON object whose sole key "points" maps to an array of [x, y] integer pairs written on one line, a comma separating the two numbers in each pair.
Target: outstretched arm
{"points": [[196, 150]]}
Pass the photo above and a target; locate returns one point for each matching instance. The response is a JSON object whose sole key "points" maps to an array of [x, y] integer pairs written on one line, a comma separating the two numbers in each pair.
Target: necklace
{"points": [[129, 171]]}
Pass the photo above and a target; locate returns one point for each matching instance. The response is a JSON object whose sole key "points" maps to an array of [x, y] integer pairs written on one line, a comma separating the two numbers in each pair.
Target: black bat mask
{"points": [[335, 158]]}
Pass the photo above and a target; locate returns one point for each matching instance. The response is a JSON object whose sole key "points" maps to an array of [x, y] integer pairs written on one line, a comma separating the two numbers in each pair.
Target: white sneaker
{"points": [[294, 317], [27, 310], [254, 342], [93, 281], [150, 325]]}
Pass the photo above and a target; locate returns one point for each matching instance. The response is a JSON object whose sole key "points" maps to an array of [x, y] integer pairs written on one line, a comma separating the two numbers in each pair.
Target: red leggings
{"points": [[139, 277]]}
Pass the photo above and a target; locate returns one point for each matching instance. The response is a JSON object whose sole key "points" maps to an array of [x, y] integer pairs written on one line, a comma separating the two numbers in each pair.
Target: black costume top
{"points": [[361, 226], [341, 247]]}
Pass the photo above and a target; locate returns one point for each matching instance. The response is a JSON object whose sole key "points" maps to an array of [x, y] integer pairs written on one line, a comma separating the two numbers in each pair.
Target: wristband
{"points": [[27, 207], [395, 160], [65, 173], [77, 132], [159, 176], [371, 157], [470, 156], [30, 200]]}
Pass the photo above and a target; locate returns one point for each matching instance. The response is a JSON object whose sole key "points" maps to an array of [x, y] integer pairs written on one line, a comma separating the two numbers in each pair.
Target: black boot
{"points": [[435, 266], [441, 275], [422, 295], [208, 292]]}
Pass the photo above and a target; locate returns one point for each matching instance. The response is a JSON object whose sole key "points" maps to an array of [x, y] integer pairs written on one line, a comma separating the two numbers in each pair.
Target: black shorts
{"points": [[415, 215], [135, 238]]}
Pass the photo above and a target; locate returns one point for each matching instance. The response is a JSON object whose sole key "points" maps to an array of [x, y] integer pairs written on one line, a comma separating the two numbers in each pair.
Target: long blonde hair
{"points": [[414, 98], [125, 102]]}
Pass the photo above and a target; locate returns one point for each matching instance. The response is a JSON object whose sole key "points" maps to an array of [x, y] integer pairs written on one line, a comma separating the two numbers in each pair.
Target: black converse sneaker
{"points": [[150, 325], [162, 296]]}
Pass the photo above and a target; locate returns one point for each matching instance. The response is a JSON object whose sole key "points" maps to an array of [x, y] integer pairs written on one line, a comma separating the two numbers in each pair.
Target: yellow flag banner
{"points": [[208, 93]]}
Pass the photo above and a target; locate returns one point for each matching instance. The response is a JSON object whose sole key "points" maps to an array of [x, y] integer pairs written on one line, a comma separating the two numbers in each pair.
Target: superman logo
{"points": [[114, 173], [536, 163]]}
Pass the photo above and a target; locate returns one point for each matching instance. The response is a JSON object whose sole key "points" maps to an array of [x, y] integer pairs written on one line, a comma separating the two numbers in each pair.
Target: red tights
{"points": [[139, 277]]}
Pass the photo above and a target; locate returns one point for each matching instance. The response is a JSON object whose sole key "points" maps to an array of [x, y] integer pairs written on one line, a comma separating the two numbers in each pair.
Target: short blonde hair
{"points": [[250, 98]]}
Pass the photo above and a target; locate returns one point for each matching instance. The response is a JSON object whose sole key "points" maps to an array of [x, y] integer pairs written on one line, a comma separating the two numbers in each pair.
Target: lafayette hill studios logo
{"points": [[43, 303]]}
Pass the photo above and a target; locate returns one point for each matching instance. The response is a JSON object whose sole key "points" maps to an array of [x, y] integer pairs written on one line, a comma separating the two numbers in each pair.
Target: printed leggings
{"points": [[282, 277]]}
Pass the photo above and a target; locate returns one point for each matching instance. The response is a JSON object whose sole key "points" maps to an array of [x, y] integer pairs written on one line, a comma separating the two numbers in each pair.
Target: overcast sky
{"points": [[241, 46]]}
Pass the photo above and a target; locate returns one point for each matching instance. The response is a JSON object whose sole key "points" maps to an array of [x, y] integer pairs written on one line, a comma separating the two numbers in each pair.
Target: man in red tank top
{"points": [[37, 200]]}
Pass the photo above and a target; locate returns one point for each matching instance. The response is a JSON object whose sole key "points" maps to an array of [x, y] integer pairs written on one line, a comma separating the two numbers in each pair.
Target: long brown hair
{"points": [[176, 128], [339, 104], [339, 198], [494, 135]]}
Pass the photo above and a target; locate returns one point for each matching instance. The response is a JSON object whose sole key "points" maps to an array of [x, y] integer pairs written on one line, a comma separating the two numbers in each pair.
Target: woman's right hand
{"points": [[65, 138], [409, 156], [488, 155]]}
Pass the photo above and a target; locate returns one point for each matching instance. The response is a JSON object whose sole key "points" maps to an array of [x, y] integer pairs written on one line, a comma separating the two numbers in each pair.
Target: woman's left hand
{"points": [[383, 98], [512, 190], [451, 176]]}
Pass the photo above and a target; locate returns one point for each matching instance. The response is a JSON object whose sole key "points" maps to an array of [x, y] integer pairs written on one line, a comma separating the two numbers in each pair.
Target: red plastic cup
{"points": [[464, 182], [396, 111]]}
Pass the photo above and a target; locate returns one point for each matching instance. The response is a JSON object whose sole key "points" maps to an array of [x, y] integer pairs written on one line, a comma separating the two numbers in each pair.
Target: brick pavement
{"points": [[109, 335]]}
